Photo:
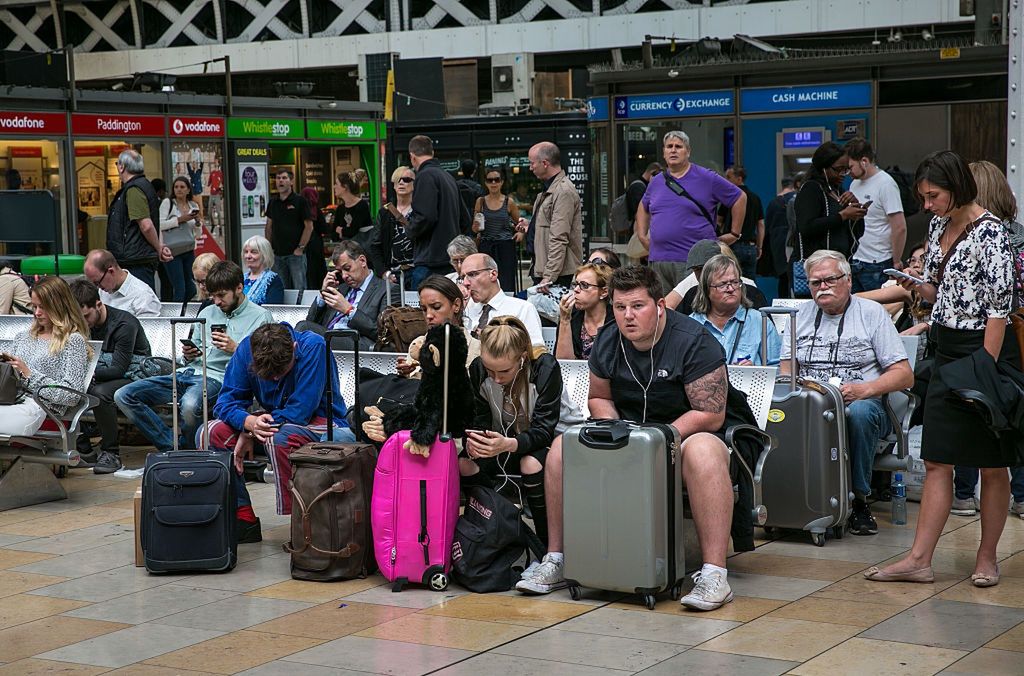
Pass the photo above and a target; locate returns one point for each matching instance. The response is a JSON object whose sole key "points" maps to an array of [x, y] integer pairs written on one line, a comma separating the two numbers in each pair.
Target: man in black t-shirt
{"points": [[749, 246], [289, 227], [687, 387]]}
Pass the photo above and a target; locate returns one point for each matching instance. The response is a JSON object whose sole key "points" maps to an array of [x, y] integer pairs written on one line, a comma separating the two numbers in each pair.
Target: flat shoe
{"points": [[875, 574], [984, 580]]}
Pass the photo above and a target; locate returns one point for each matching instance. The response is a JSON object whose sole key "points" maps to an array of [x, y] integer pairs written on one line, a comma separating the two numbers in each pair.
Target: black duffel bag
{"points": [[387, 391]]}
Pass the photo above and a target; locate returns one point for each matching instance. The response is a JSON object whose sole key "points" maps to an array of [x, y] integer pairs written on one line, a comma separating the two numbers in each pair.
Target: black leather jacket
{"points": [[124, 238]]}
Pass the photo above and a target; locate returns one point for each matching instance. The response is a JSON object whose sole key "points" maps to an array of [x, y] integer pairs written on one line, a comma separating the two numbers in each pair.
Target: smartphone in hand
{"points": [[899, 274], [188, 343]]}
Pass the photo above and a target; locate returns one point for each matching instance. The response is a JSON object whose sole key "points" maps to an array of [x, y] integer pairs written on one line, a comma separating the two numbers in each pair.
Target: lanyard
{"points": [[736, 341], [834, 356]]}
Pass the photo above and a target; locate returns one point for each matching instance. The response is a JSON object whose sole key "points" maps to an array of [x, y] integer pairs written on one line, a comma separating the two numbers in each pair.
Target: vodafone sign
{"points": [[197, 127], [36, 124], [121, 126]]}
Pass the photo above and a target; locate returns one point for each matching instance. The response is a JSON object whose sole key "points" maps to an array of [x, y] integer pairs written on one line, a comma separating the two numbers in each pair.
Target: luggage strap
{"points": [[307, 527], [424, 538]]}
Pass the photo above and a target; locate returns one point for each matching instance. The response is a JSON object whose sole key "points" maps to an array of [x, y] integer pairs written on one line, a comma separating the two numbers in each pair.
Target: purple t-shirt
{"points": [[676, 222]]}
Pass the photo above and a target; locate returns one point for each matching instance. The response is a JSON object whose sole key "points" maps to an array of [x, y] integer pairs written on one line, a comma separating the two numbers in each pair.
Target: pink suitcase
{"points": [[414, 508]]}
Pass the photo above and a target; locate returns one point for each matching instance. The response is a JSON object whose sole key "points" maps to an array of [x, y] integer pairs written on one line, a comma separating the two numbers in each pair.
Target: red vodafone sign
{"points": [[12, 122], [117, 125], [196, 126]]}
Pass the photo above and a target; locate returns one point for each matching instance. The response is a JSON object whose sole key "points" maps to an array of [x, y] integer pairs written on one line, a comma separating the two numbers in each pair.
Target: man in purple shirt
{"points": [[672, 217]]}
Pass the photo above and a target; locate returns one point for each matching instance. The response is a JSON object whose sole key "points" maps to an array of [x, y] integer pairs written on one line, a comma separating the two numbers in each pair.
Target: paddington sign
{"points": [[196, 126], [117, 125]]}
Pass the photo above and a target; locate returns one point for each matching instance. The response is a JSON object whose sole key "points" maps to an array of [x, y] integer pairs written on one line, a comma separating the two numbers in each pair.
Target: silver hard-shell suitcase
{"points": [[806, 483], [623, 508]]}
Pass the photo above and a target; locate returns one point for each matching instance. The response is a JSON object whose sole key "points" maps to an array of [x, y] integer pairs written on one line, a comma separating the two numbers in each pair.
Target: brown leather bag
{"points": [[398, 327], [10, 385]]}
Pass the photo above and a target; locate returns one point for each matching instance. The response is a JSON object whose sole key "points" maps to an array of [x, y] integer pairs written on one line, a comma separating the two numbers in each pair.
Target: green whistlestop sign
{"points": [[341, 129], [247, 127]]}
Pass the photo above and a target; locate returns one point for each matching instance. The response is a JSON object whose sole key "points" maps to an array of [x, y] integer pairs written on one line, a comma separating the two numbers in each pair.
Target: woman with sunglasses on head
{"points": [[583, 312], [605, 256], [825, 216], [391, 247], [494, 219]]}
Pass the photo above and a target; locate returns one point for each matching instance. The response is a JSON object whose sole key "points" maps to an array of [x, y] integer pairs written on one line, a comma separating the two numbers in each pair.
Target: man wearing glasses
{"points": [[119, 289], [487, 300], [851, 343]]}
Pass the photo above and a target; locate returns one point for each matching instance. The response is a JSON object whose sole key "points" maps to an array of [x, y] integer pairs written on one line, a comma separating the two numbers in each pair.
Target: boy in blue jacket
{"points": [[283, 370]]}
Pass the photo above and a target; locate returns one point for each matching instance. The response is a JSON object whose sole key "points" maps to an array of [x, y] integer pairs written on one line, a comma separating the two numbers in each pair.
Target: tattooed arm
{"points": [[707, 397]]}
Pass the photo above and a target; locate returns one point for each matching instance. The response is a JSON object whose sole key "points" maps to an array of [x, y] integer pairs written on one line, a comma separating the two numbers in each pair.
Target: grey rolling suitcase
{"points": [[806, 481], [623, 508]]}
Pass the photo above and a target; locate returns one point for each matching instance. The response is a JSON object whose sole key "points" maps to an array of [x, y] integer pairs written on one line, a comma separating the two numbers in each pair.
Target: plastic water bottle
{"points": [[899, 500]]}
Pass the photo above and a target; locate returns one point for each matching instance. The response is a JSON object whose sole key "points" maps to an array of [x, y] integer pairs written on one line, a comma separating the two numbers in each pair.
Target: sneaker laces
{"points": [[547, 570], [706, 585]]}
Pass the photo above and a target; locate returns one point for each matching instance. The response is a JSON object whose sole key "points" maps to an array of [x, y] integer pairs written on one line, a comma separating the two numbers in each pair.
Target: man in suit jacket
{"points": [[351, 297]]}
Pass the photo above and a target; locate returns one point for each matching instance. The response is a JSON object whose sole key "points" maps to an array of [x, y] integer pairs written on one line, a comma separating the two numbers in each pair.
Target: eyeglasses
{"points": [[472, 274], [406, 179], [585, 286], [827, 281], [598, 261], [104, 276], [916, 260], [200, 282], [841, 170], [457, 260], [493, 179], [727, 285]]}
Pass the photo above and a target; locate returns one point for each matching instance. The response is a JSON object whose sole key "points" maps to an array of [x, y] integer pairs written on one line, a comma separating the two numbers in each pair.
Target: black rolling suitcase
{"points": [[188, 500]]}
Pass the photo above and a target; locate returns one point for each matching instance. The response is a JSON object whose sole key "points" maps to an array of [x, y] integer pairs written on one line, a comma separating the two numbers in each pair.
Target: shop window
{"points": [[32, 165]]}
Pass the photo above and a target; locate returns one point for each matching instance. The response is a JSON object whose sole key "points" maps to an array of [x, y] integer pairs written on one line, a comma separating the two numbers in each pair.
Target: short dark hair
{"points": [[858, 148], [351, 247], [738, 171], [223, 276], [284, 170], [85, 292], [653, 167], [786, 182], [421, 145], [948, 171], [160, 185], [272, 350], [636, 277], [468, 168]]}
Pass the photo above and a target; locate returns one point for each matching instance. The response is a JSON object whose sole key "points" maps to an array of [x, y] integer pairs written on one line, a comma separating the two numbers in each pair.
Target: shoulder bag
{"points": [[678, 189], [179, 239], [798, 277], [10, 385]]}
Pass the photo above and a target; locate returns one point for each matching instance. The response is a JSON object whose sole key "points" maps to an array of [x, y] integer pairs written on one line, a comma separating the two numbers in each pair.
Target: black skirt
{"points": [[953, 435]]}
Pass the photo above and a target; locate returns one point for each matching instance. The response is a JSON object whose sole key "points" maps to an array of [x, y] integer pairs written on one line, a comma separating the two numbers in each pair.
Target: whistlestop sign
{"points": [[37, 124], [117, 125], [196, 127]]}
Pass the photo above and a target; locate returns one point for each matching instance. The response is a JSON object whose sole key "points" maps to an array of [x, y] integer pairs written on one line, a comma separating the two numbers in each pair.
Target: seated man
{"points": [[681, 298], [351, 297], [852, 343], [118, 288], [124, 347], [688, 390], [239, 317], [487, 300], [283, 370]]}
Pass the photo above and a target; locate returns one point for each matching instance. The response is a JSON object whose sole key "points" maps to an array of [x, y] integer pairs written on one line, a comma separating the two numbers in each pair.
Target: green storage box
{"points": [[70, 264]]}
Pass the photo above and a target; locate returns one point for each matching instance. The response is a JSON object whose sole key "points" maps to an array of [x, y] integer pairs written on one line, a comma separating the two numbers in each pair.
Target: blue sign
{"points": [[597, 109], [809, 97], [686, 104], [802, 139]]}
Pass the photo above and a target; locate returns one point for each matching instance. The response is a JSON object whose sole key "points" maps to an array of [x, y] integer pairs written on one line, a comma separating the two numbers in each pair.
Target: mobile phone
{"points": [[482, 433], [893, 272], [188, 342], [195, 212], [867, 204], [337, 276], [219, 328]]}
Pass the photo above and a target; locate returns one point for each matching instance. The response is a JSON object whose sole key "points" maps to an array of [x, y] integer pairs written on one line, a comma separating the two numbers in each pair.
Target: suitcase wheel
{"points": [[838, 532], [649, 601], [818, 539], [677, 591], [575, 592], [437, 579]]}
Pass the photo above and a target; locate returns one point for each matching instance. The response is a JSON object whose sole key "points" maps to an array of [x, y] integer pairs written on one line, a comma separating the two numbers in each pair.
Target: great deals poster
{"points": [[252, 188]]}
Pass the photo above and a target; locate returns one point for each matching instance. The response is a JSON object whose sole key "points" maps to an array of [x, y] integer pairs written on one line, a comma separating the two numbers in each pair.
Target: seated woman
{"points": [[441, 301], [605, 256], [459, 249], [53, 351], [722, 307], [583, 312], [261, 285], [681, 298], [521, 405], [910, 312]]}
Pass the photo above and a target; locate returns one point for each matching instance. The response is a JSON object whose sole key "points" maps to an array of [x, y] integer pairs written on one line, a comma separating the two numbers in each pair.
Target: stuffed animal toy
{"points": [[424, 420]]}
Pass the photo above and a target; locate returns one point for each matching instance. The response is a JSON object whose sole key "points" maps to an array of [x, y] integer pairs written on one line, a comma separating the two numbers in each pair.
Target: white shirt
{"points": [[884, 194], [501, 306], [134, 296]]}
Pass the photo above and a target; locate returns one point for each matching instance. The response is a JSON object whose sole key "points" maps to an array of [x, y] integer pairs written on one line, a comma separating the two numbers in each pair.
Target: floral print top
{"points": [[978, 281]]}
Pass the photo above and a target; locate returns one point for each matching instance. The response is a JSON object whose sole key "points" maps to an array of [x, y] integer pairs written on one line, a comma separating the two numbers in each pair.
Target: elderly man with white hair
{"points": [[852, 343], [679, 210]]}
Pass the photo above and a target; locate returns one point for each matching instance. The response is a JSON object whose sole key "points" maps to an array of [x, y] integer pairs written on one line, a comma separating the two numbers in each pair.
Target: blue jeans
{"points": [[137, 400], [746, 253], [866, 424], [292, 270], [868, 276], [179, 271], [965, 479]]}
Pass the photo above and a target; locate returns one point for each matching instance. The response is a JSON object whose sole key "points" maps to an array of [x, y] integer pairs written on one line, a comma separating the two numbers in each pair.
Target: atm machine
{"points": [[794, 147]]}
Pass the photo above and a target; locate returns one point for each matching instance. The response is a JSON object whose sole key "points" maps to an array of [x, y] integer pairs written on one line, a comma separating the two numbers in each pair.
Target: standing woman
{"points": [[352, 215], [391, 246], [583, 312], [969, 275], [52, 351], [179, 216], [494, 219], [316, 265]]}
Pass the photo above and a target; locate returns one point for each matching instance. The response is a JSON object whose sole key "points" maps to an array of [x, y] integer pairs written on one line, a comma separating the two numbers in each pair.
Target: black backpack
{"points": [[490, 538]]}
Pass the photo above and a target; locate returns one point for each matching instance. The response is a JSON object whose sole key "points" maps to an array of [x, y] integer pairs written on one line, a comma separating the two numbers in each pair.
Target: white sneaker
{"points": [[530, 570], [968, 507], [709, 592], [1017, 508], [547, 577]]}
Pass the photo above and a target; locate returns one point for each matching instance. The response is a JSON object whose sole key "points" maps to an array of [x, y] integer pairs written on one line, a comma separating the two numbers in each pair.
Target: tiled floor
{"points": [[72, 602]]}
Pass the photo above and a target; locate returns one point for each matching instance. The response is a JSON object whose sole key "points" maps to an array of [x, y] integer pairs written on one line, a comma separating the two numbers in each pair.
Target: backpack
{"points": [[490, 538], [469, 190], [618, 217]]}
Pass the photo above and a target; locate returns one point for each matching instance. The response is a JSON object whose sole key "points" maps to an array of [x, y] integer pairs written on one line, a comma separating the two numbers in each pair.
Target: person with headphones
{"points": [[521, 405], [654, 365]]}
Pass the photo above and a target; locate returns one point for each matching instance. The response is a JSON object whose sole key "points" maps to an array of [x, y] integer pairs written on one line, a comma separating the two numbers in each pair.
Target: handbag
{"points": [[179, 239], [800, 286], [678, 189], [10, 385], [398, 327]]}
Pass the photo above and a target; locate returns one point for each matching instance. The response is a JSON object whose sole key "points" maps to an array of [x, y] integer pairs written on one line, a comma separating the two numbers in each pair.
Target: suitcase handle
{"points": [[612, 435], [766, 313], [329, 337]]}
